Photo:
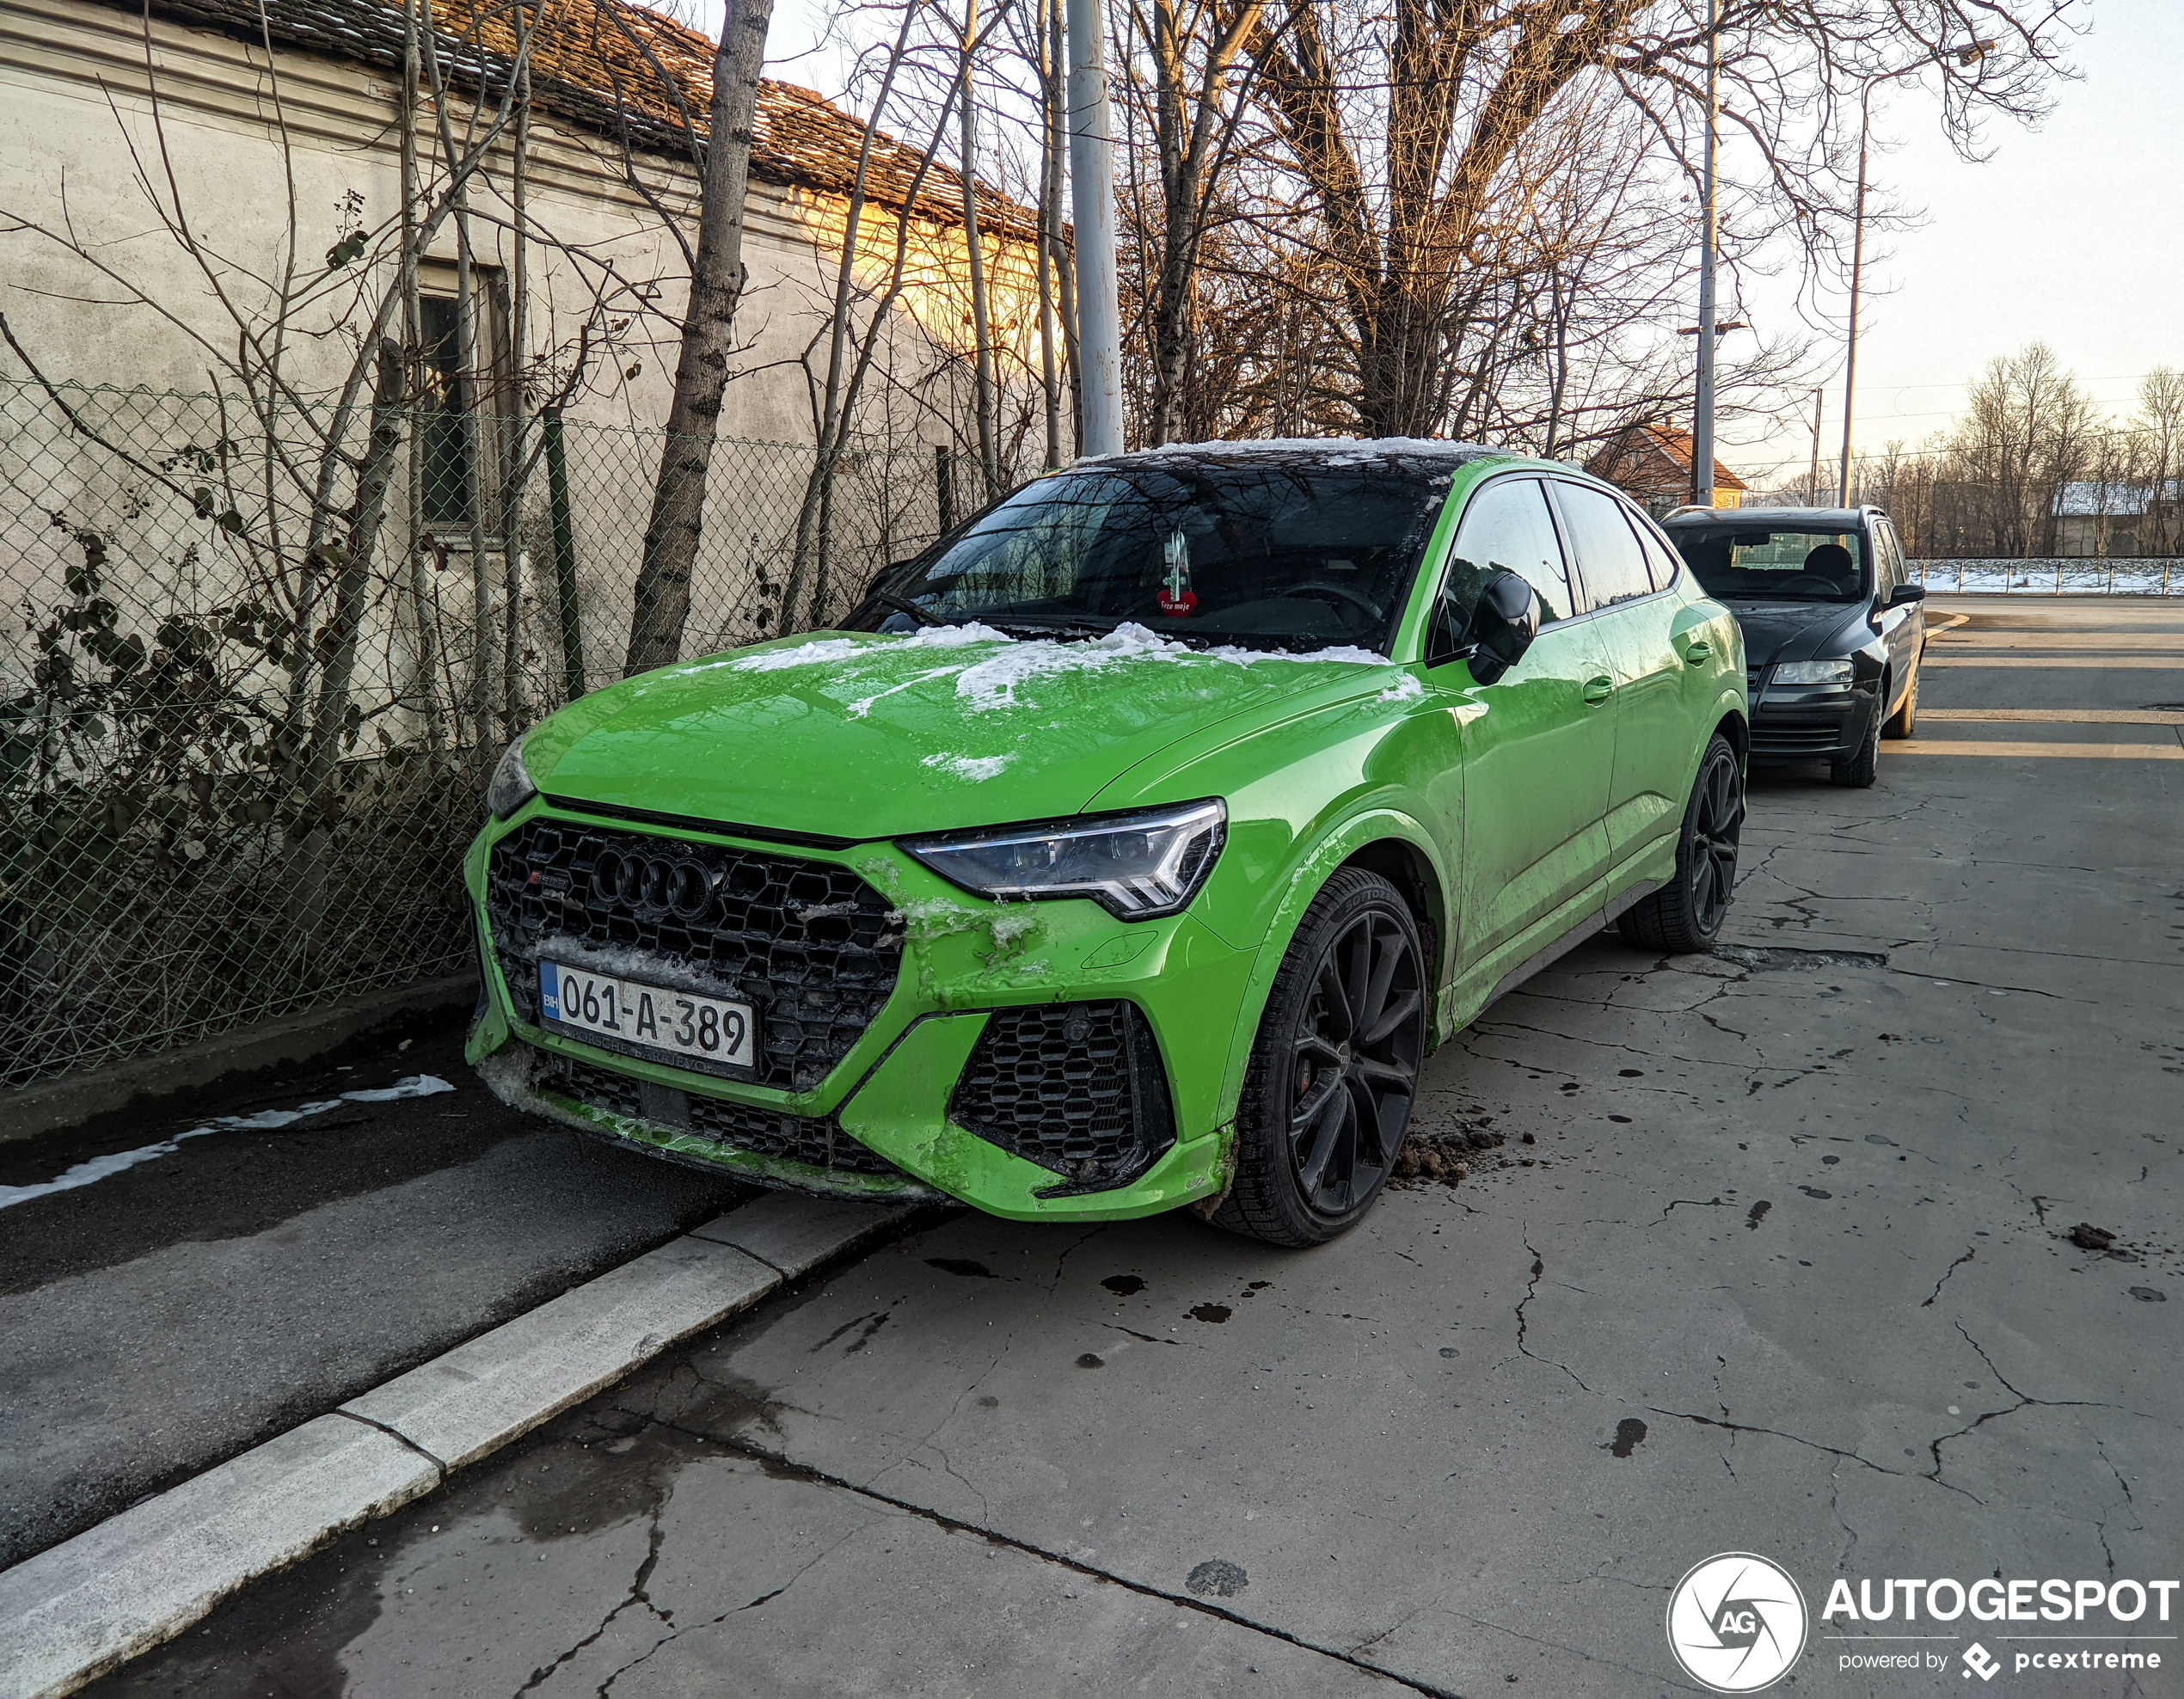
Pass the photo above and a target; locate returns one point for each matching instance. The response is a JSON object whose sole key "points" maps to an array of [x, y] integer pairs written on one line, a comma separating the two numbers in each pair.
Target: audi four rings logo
{"points": [[652, 882], [1736, 1623]]}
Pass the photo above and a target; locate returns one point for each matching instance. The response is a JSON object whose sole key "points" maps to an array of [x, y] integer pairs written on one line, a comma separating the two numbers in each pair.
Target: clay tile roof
{"points": [[1654, 460], [608, 66]]}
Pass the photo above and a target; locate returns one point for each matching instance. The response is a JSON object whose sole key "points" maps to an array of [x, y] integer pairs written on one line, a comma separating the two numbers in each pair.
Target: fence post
{"points": [[944, 478], [564, 552]]}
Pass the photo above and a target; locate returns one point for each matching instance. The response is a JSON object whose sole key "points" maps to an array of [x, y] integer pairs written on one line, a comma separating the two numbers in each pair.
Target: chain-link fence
{"points": [[256, 662]]}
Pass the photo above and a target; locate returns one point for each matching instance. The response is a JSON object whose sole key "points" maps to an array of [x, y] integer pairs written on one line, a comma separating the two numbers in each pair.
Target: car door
{"points": [[1903, 628], [1538, 743], [1644, 647]]}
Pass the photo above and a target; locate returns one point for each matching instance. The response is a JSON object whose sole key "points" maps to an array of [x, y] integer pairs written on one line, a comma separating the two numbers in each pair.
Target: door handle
{"points": [[1699, 653], [1597, 690]]}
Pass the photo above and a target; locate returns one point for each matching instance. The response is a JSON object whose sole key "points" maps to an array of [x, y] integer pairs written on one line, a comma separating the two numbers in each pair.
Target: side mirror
{"points": [[1906, 592], [1503, 625]]}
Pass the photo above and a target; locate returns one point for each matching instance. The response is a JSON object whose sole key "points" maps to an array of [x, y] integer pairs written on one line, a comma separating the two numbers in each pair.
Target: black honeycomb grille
{"points": [[816, 1140], [1077, 1088], [812, 947]]}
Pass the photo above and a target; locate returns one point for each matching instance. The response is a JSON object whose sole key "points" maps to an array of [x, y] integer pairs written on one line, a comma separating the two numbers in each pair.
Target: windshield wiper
{"points": [[1065, 622], [902, 605]]}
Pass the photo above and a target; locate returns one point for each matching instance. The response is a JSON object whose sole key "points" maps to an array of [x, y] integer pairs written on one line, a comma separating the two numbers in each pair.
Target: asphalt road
{"points": [[1774, 1255], [175, 1312]]}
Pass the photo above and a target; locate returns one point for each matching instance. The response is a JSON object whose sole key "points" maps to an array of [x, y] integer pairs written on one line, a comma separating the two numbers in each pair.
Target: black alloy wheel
{"points": [[1334, 1070], [1685, 916]]}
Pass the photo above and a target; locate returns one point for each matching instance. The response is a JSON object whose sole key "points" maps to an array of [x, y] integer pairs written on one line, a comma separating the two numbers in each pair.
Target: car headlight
{"points": [[1812, 672], [1137, 867], [511, 786]]}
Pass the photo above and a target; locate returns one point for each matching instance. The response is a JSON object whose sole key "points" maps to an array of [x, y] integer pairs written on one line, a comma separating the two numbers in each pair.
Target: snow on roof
{"points": [[1337, 449]]}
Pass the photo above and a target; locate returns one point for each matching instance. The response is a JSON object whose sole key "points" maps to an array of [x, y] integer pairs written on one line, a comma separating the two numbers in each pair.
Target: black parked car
{"points": [[1833, 629]]}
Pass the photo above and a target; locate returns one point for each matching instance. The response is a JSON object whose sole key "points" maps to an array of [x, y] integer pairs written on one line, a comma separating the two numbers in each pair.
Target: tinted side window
{"points": [[1888, 556], [1661, 560], [1608, 556], [1506, 527]]}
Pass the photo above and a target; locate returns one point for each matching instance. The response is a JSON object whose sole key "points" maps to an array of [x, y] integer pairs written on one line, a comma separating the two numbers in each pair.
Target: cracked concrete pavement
{"points": [[1777, 1257]]}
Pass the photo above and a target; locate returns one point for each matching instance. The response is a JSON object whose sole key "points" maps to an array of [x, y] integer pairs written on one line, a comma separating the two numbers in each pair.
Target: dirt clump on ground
{"points": [[1442, 1157]]}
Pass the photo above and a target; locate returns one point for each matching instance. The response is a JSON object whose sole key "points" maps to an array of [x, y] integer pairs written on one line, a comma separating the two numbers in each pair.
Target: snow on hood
{"points": [[986, 681]]}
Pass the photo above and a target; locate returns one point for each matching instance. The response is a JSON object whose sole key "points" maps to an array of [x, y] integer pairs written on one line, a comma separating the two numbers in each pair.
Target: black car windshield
{"points": [[1781, 564], [1262, 551]]}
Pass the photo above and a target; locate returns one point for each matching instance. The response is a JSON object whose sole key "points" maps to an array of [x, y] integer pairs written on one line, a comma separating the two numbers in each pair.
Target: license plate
{"points": [[629, 1013]]}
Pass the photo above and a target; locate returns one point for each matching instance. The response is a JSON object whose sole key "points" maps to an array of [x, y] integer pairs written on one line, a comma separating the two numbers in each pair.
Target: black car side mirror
{"points": [[1906, 592], [1503, 625]]}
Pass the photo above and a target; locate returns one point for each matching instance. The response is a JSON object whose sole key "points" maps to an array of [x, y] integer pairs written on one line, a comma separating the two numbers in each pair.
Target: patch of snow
{"points": [[266, 1120], [955, 636], [1354, 451], [992, 683], [974, 768], [1405, 689], [1011, 928], [825, 652]]}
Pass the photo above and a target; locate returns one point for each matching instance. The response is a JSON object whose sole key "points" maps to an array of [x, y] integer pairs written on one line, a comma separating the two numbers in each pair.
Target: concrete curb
{"points": [[116, 1591]]}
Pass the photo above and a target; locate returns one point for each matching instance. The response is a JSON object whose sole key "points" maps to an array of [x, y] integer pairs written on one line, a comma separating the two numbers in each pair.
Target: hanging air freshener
{"points": [[1176, 599]]}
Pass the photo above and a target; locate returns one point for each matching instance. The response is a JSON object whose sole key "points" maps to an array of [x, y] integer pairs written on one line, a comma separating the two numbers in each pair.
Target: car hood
{"points": [[860, 735], [1775, 631]]}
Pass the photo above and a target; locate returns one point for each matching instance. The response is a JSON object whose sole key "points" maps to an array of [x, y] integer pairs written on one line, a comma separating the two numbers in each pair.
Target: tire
{"points": [[1858, 772], [1324, 1113], [1684, 918], [1903, 722]]}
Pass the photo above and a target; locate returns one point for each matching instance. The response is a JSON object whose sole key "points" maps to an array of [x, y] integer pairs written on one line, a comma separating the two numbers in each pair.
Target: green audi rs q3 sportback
{"points": [[1130, 848]]}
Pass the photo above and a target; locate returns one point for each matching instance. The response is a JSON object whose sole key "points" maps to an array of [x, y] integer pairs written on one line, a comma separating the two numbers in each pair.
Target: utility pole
{"points": [[1703, 416], [1813, 483], [1099, 319], [1858, 264]]}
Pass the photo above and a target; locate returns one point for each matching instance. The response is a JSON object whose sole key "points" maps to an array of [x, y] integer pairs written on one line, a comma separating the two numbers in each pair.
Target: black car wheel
{"points": [[1335, 1068], [1858, 772], [1685, 916]]}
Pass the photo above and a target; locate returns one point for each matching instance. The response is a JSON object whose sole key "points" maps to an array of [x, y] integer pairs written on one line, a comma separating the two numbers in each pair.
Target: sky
{"points": [[2072, 232]]}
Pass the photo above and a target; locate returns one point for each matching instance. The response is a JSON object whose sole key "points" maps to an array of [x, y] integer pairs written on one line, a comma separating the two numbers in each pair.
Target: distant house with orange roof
{"points": [[1652, 463]]}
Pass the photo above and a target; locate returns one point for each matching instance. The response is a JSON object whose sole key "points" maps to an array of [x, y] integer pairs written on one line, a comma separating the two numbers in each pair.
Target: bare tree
{"points": [[662, 603], [2028, 429], [2158, 423]]}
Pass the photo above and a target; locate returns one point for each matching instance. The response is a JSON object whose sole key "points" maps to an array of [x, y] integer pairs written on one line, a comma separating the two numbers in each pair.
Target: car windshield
{"points": [[1260, 550], [1777, 565]]}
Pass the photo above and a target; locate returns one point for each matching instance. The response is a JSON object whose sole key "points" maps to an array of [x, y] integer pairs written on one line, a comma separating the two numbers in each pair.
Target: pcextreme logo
{"points": [[1736, 1623]]}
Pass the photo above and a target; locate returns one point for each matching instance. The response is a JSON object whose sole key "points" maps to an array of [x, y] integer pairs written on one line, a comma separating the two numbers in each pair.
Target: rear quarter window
{"points": [[1609, 560]]}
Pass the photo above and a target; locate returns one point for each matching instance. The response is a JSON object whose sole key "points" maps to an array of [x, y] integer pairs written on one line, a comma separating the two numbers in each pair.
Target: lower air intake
{"points": [[815, 1140], [1077, 1088]]}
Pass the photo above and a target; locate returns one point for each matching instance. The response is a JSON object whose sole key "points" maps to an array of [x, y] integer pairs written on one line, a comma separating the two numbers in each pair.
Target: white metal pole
{"points": [[1099, 320], [1703, 413]]}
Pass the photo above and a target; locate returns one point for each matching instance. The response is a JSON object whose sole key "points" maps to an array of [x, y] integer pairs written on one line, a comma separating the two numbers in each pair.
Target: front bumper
{"points": [[876, 1123], [1798, 723]]}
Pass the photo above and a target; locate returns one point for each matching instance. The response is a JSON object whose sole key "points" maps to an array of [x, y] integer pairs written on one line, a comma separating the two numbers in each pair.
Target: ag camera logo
{"points": [[1736, 1623]]}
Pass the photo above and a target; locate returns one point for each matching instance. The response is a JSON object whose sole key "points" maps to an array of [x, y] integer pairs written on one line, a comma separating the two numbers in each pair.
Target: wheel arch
{"points": [[1383, 841], [1733, 727]]}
